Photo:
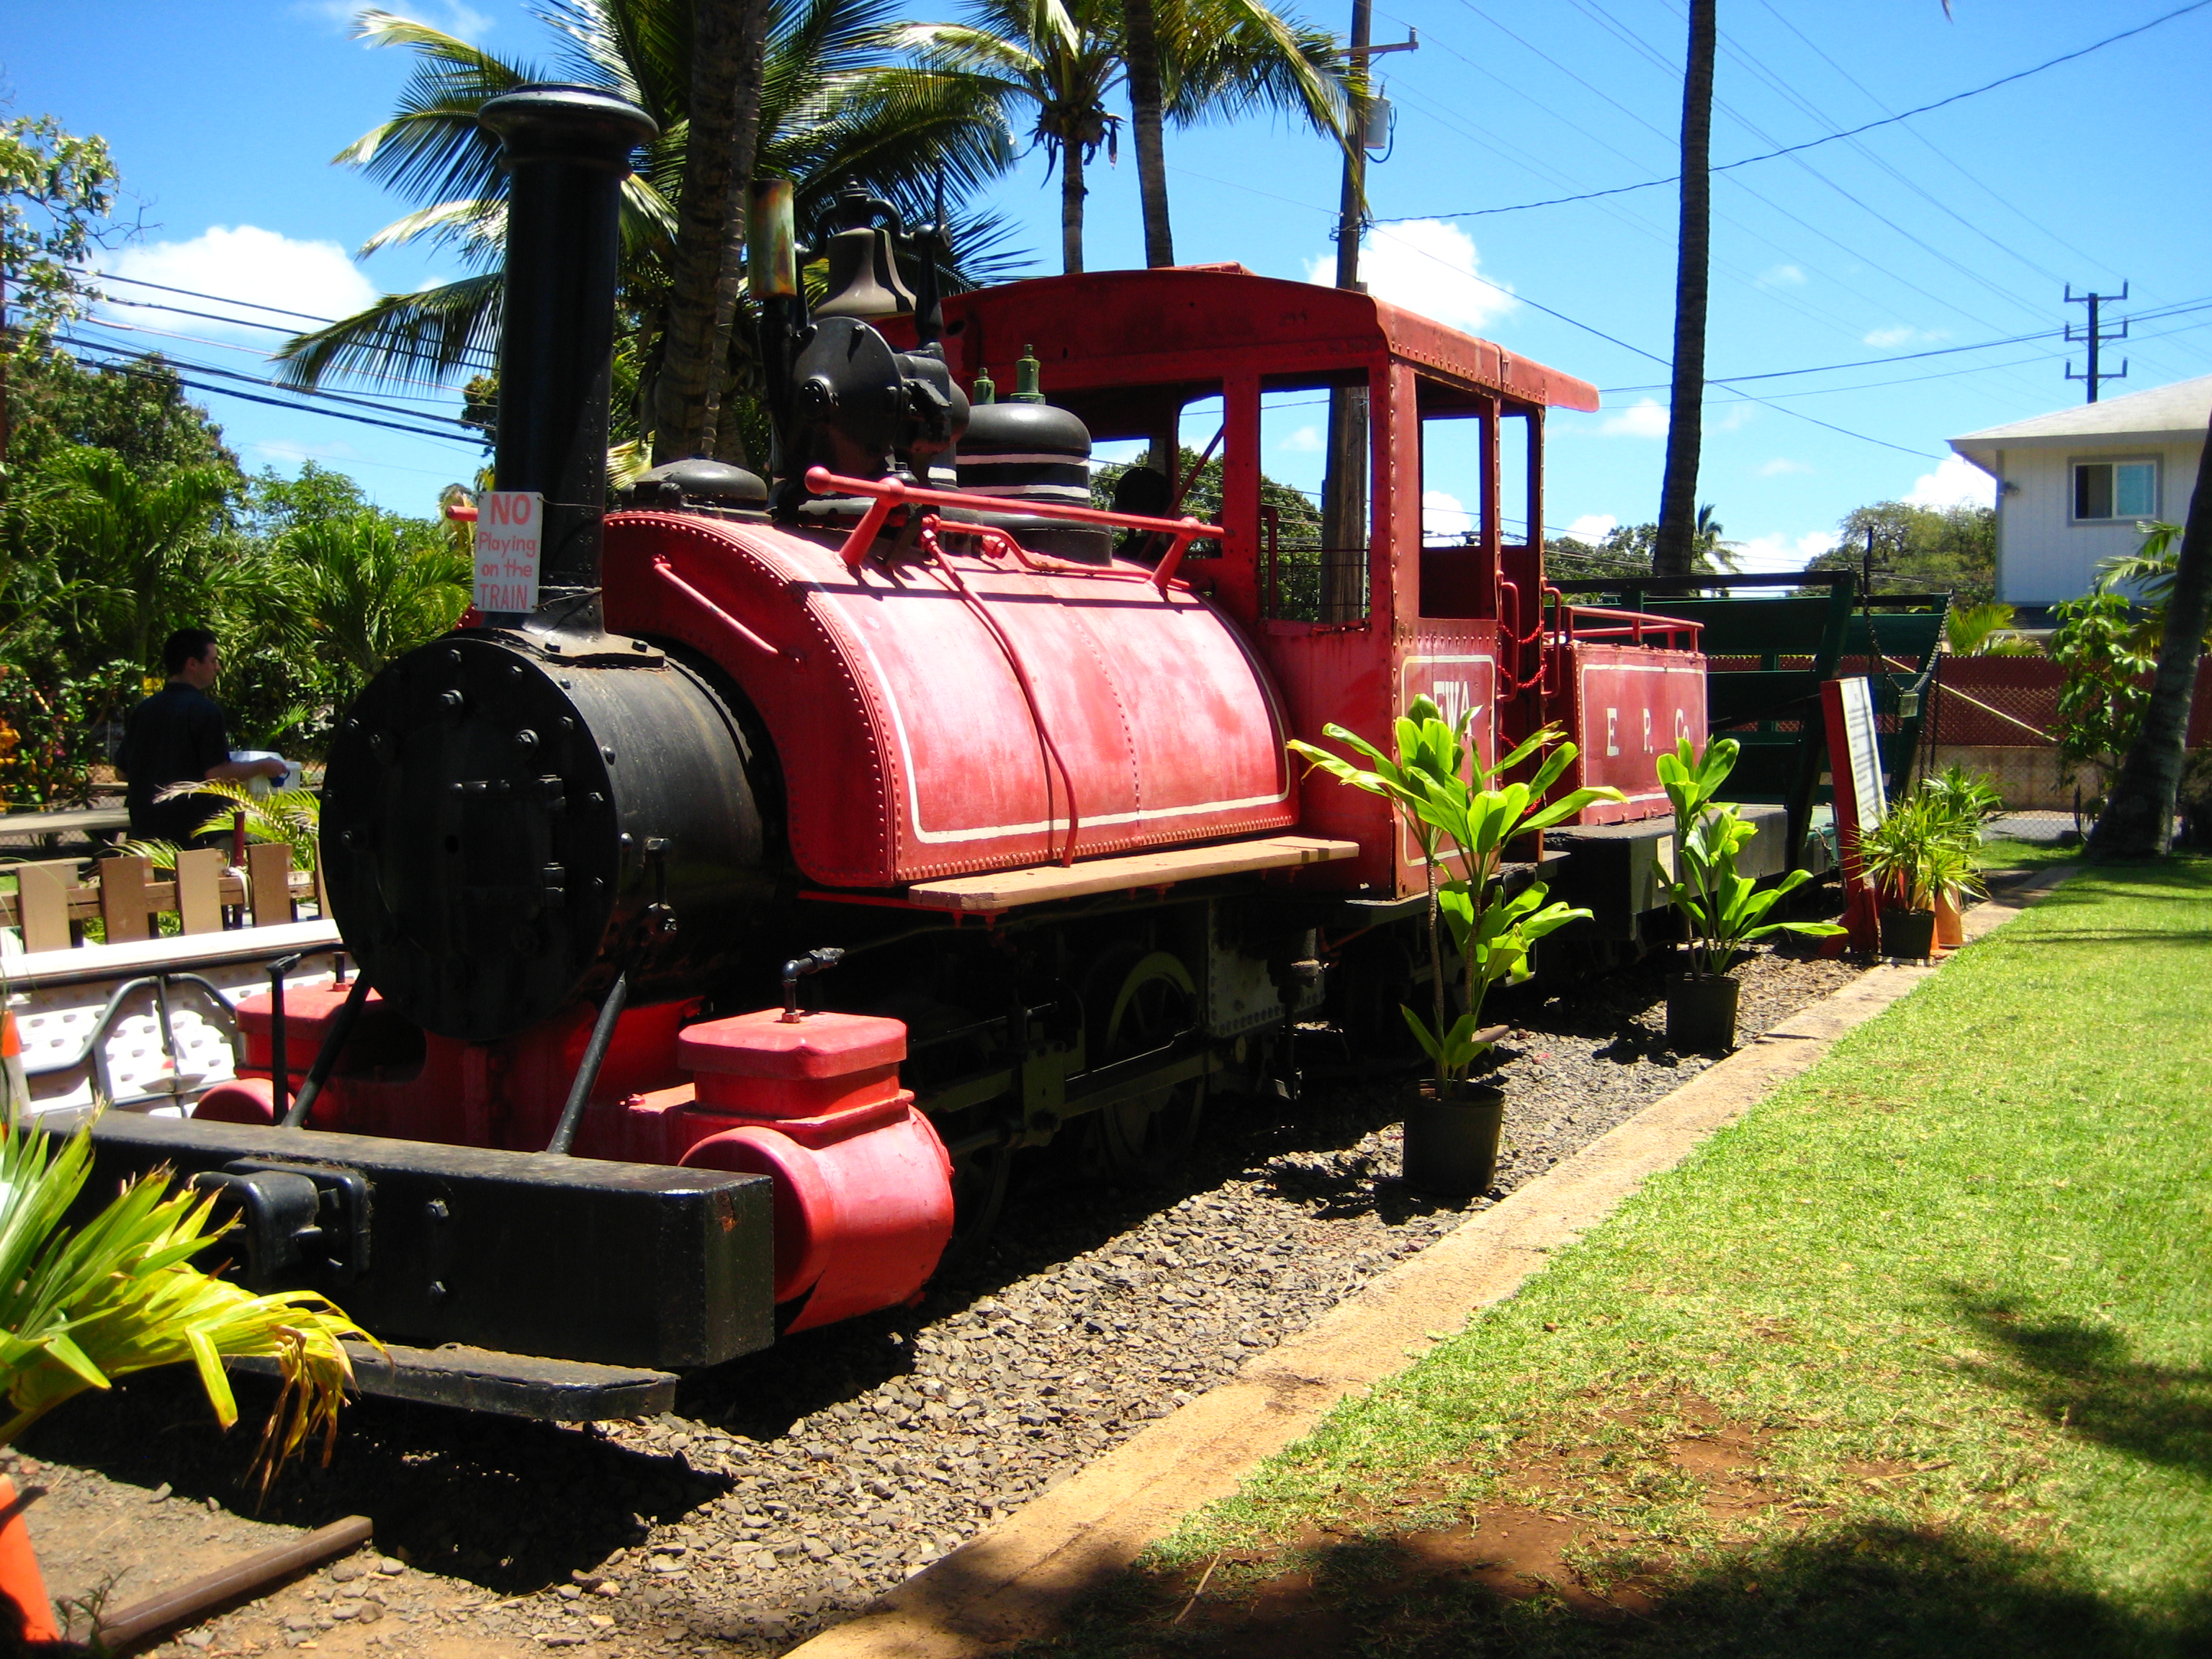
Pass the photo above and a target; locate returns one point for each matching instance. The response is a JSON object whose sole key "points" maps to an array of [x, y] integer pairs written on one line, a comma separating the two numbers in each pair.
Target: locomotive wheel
{"points": [[980, 1179], [1141, 1000]]}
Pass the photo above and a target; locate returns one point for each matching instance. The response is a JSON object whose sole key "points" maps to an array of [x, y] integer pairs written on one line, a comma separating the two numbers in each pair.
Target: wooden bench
{"points": [[51, 899]]}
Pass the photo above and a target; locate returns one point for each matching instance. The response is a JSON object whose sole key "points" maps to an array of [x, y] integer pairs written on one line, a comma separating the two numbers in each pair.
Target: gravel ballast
{"points": [[793, 1486]]}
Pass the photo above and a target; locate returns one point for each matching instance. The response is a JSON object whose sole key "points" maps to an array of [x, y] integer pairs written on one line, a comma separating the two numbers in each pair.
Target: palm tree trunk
{"points": [[1142, 58], [718, 437], [2138, 817], [1673, 553], [1071, 207], [689, 367]]}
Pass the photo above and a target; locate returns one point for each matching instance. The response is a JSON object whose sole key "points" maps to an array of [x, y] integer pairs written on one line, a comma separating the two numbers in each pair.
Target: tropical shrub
{"points": [[1725, 913], [1456, 808]]}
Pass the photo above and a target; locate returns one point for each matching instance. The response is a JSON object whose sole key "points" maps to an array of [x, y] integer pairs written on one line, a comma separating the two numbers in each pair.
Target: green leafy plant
{"points": [[1917, 852], [1726, 912], [80, 1306], [2108, 660], [1968, 799], [1986, 630], [1457, 809], [292, 815]]}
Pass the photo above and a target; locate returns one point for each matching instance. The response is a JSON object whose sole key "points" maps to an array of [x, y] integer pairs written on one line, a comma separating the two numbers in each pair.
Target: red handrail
{"points": [[884, 494]]}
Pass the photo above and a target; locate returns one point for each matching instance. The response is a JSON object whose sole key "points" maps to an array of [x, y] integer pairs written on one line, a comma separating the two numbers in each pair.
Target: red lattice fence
{"points": [[2012, 702]]}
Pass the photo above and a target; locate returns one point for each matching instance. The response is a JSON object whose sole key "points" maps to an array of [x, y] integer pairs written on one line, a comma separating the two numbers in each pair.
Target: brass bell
{"points": [[864, 278]]}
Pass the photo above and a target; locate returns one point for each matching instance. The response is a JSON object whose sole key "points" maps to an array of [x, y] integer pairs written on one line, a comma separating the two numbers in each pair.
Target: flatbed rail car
{"points": [[729, 914]]}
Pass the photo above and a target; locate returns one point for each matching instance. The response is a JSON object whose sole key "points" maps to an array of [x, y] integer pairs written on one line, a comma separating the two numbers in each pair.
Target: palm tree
{"points": [[2137, 821], [364, 589], [837, 106], [1064, 57], [1708, 551], [135, 554], [1189, 60], [1673, 555], [728, 49]]}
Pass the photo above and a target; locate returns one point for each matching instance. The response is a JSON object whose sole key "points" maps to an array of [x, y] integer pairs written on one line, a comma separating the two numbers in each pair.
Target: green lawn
{"points": [[1915, 1359]]}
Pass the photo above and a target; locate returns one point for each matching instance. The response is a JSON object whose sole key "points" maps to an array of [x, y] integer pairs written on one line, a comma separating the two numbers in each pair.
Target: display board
{"points": [[1855, 762]]}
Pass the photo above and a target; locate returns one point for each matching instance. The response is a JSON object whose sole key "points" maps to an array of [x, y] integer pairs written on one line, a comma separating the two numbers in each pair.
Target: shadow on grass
{"points": [[2085, 1378], [1866, 1589]]}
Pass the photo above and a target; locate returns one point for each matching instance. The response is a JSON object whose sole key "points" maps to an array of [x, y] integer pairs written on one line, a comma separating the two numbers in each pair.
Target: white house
{"points": [[2072, 484]]}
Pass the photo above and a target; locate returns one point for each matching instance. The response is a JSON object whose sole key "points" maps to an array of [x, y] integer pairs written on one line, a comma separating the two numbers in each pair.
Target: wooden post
{"points": [[199, 890], [268, 880], [122, 899], [42, 905]]}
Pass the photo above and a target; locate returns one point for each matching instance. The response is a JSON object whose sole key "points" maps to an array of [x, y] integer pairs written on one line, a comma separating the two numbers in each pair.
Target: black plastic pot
{"points": [[1451, 1142], [1701, 1013], [1909, 934]]}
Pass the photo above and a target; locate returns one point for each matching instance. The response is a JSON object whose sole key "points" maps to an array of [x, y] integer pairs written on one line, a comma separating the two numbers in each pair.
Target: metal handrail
{"points": [[94, 1047]]}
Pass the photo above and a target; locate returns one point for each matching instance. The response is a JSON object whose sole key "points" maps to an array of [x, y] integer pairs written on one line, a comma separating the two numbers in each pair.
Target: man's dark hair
{"points": [[185, 645]]}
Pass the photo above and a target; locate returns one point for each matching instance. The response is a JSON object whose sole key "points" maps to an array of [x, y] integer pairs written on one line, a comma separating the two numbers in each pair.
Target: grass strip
{"points": [[1912, 1360]]}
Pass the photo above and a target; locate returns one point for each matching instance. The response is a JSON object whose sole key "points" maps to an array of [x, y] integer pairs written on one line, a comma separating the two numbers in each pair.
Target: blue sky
{"points": [[1951, 229]]}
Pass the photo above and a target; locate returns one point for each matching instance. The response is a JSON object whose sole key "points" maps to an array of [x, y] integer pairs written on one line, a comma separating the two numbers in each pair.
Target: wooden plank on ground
{"points": [[1006, 890], [268, 874], [124, 900], [42, 903], [199, 891]]}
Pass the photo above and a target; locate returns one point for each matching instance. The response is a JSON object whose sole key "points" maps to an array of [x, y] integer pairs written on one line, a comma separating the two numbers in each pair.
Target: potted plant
{"points": [[1909, 855], [80, 1306], [1724, 913], [1964, 803], [1457, 812]]}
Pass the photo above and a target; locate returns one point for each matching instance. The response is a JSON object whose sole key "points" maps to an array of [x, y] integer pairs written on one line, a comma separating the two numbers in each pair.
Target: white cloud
{"points": [[1884, 338], [1781, 551], [262, 267], [1738, 415], [1646, 418], [1956, 482], [286, 450], [1780, 465], [1782, 276], [451, 15], [1428, 266], [1443, 516], [1593, 527], [1306, 441]]}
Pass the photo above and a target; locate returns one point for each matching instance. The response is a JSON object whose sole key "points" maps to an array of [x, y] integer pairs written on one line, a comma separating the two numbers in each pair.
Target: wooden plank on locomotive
{"points": [[1005, 890]]}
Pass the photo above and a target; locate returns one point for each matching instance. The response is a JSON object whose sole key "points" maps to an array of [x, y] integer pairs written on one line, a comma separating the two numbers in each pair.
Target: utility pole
{"points": [[1343, 485], [2095, 337]]}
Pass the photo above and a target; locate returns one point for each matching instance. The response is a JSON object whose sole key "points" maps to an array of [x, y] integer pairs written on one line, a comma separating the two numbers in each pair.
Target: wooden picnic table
{"points": [[87, 821]]}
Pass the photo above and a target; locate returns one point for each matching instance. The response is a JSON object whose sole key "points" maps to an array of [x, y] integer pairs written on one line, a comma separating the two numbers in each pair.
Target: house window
{"points": [[2115, 490]]}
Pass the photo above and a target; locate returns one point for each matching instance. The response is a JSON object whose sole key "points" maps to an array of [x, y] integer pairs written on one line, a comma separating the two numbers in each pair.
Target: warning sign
{"points": [[510, 525]]}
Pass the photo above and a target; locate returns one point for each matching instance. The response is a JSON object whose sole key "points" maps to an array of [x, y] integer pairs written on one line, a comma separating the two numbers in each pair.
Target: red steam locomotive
{"points": [[1007, 771]]}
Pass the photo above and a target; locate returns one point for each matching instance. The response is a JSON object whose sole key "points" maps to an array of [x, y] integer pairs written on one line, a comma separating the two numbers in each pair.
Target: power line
{"points": [[379, 398], [381, 406], [2179, 309], [469, 357], [1810, 143], [173, 375]]}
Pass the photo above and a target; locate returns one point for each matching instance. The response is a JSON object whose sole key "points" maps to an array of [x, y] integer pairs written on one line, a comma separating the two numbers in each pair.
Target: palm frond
{"points": [[291, 816], [433, 149], [81, 1307], [425, 337]]}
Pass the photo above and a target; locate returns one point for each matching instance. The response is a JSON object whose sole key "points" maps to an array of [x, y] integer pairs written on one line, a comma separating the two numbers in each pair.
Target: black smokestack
{"points": [[566, 152]]}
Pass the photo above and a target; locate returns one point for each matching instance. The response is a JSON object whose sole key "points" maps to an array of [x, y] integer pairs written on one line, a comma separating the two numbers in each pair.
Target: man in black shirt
{"points": [[177, 735]]}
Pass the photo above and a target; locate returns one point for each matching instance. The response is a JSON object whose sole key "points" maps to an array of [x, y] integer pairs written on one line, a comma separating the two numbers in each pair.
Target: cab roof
{"points": [[1102, 328]]}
